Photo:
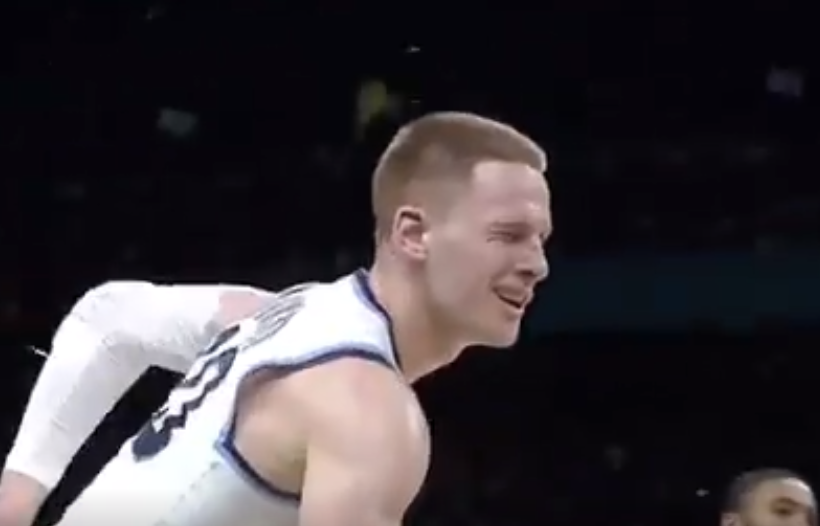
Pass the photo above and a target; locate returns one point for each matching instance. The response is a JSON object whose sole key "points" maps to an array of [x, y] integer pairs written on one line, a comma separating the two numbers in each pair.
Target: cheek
{"points": [[462, 276], [498, 261]]}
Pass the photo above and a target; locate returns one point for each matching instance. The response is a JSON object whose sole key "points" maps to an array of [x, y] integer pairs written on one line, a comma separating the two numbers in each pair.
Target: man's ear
{"points": [[409, 230], [730, 519]]}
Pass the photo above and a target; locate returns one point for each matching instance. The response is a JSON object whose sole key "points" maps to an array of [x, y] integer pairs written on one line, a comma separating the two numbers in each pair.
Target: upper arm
{"points": [[164, 325], [174, 323], [367, 451], [106, 342]]}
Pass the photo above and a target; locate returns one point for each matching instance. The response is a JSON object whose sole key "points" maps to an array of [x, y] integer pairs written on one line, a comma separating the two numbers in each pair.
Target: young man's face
{"points": [[782, 502]]}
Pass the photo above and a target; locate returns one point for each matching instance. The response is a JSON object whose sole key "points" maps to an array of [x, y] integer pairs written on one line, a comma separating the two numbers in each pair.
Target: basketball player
{"points": [[303, 413], [769, 497]]}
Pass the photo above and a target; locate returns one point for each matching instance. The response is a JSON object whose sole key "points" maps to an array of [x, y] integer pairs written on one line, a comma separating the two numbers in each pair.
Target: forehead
{"points": [[784, 489], [499, 189]]}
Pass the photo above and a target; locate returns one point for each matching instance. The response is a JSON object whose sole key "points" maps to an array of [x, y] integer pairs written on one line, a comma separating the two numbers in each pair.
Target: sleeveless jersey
{"points": [[182, 468]]}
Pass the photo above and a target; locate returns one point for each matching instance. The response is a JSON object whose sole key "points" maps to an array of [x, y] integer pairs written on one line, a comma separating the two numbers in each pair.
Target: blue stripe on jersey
{"points": [[365, 293], [225, 443]]}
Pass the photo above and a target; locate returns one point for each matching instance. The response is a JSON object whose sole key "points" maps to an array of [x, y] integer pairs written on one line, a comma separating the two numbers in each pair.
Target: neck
{"points": [[422, 343]]}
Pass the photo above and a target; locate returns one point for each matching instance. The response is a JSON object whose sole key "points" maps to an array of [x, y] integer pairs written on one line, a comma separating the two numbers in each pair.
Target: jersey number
{"points": [[207, 373], [215, 362]]}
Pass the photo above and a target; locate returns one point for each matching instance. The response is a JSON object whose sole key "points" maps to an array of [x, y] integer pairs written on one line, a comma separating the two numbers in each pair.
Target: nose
{"points": [[535, 267]]}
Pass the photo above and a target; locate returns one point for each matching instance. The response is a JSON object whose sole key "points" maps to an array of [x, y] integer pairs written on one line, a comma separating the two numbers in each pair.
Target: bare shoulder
{"points": [[367, 442], [365, 395]]}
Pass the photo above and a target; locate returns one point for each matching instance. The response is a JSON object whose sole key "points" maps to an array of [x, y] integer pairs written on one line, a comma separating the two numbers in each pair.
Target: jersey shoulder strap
{"points": [[317, 322]]}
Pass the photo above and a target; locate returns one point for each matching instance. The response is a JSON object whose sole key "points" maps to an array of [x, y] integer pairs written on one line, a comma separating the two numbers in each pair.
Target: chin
{"points": [[502, 338]]}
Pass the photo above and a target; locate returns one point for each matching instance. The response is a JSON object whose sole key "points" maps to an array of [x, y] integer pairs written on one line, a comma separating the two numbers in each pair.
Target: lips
{"points": [[518, 302]]}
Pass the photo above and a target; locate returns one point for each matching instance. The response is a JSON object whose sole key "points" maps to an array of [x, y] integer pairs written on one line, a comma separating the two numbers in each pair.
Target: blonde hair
{"points": [[441, 146]]}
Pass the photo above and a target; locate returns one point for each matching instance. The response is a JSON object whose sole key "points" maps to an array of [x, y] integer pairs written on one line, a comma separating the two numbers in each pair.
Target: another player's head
{"points": [[462, 207], [769, 497]]}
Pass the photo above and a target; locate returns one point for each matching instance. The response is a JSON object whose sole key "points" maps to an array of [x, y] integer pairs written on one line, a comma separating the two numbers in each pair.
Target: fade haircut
{"points": [[442, 146], [746, 483]]}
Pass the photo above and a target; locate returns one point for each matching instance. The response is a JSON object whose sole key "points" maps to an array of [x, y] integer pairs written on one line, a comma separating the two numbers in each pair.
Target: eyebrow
{"points": [[793, 502], [521, 224]]}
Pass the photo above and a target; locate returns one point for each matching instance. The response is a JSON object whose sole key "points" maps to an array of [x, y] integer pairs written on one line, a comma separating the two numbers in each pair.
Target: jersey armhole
{"points": [[282, 368]]}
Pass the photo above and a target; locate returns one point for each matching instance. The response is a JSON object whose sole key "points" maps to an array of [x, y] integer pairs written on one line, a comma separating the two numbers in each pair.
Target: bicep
{"points": [[366, 458], [364, 488]]}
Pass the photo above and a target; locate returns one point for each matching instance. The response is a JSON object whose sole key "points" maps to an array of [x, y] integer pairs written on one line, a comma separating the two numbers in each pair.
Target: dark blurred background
{"points": [[233, 141]]}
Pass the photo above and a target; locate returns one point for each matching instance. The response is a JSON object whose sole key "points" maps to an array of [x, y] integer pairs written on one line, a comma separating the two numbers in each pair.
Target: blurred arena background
{"points": [[670, 349]]}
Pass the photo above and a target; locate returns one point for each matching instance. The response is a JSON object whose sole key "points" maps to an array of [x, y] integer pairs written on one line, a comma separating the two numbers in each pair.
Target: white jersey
{"points": [[110, 337], [182, 468]]}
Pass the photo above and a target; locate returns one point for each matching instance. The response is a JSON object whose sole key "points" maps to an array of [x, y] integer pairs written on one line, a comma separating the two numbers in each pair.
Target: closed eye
{"points": [[510, 237]]}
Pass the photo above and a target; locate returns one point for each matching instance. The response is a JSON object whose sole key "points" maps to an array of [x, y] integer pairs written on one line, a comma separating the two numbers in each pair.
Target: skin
{"points": [[439, 274], [453, 252], [20, 499], [488, 246], [783, 502]]}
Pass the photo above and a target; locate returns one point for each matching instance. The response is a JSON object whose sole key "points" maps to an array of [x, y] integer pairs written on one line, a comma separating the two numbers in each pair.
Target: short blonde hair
{"points": [[442, 145]]}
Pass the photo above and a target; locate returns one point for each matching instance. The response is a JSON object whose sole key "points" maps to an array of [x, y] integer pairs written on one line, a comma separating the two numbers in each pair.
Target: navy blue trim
{"points": [[225, 443], [365, 291]]}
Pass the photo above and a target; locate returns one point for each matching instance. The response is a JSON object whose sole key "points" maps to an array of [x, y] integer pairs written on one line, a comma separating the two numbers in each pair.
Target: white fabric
{"points": [[195, 476], [102, 347]]}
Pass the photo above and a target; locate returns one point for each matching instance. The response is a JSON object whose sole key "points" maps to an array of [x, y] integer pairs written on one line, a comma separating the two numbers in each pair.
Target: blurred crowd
{"points": [[138, 145]]}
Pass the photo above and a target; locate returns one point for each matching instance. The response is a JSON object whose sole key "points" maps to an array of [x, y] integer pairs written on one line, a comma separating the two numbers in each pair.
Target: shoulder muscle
{"points": [[367, 444]]}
